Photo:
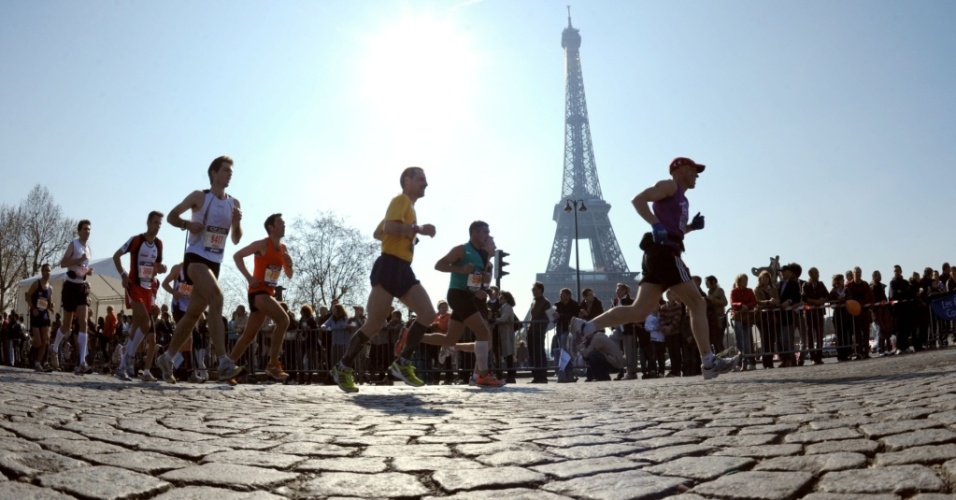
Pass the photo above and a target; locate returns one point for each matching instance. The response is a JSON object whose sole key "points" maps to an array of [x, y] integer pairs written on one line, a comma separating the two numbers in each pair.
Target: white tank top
{"points": [[216, 218], [83, 268]]}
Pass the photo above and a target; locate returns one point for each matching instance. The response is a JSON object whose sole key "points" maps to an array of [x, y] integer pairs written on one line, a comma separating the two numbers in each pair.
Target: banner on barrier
{"points": [[944, 305]]}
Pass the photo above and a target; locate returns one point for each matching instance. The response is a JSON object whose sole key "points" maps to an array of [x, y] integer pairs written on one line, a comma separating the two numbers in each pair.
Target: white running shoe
{"points": [[122, 375], [146, 376], [721, 365]]}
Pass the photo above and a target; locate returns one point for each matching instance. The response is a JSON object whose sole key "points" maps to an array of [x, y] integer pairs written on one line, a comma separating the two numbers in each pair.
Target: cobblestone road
{"points": [[876, 429]]}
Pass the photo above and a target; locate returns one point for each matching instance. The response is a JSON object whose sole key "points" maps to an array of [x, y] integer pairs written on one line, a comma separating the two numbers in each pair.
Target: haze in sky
{"points": [[827, 127]]}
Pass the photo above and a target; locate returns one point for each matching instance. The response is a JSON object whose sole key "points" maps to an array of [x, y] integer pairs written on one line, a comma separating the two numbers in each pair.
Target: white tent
{"points": [[106, 288]]}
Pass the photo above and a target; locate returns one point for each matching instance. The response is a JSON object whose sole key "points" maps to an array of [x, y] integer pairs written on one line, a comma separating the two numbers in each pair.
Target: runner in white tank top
{"points": [[75, 295], [215, 215]]}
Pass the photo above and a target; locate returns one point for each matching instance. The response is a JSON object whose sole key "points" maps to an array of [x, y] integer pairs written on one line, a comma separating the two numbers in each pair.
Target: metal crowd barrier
{"points": [[805, 334]]}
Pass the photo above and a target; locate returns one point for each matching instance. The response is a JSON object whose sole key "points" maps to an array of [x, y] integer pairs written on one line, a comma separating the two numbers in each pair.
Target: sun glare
{"points": [[419, 75]]}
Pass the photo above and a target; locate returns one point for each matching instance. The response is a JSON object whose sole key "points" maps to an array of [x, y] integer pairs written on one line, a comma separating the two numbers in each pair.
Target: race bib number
{"points": [[42, 303], [272, 275], [145, 270], [185, 290], [215, 239], [475, 280]]}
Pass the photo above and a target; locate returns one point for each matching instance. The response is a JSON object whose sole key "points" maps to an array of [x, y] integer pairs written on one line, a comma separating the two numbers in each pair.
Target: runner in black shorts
{"points": [[40, 299], [75, 294], [392, 277], [663, 268], [470, 275]]}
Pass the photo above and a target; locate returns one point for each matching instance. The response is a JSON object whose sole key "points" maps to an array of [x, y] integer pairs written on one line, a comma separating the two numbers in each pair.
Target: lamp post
{"points": [[578, 207]]}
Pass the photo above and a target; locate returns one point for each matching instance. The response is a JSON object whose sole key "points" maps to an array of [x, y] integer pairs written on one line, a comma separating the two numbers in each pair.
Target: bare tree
{"points": [[332, 260], [46, 231], [12, 262]]}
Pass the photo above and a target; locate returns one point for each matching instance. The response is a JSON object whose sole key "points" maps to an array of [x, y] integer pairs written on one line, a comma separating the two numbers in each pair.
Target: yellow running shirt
{"points": [[401, 209]]}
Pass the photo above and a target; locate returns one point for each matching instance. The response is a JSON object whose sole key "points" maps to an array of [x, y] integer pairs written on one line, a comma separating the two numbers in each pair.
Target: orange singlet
{"points": [[267, 268]]}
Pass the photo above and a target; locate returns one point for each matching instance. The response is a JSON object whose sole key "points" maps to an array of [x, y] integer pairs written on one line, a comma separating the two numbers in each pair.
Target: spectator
{"points": [[859, 290], [716, 317], [522, 356], [506, 333], [656, 364], [815, 294], [790, 300], [536, 332], [881, 313], [743, 303], [338, 327], [768, 304], [603, 356], [901, 294], [842, 321], [628, 333], [566, 309], [670, 324]]}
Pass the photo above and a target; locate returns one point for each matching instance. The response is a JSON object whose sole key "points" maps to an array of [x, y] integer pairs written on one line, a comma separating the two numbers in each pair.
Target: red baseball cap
{"points": [[680, 161]]}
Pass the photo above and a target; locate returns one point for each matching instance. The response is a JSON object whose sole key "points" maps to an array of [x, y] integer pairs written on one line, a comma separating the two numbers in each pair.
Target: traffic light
{"points": [[500, 264]]}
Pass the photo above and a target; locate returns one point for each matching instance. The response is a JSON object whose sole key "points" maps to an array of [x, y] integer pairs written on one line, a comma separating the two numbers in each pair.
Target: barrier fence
{"points": [[766, 337]]}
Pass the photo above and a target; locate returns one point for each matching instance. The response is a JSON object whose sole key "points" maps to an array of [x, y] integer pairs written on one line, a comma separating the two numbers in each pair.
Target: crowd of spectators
{"points": [[783, 321]]}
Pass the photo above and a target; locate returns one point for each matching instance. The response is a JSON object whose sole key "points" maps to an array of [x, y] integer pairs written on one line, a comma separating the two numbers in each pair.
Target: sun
{"points": [[419, 75]]}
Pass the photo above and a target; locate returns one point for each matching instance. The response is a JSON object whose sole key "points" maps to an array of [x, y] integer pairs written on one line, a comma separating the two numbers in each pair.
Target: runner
{"points": [[270, 259], [662, 266], [76, 294], [470, 275], [175, 285], [145, 262], [215, 215], [40, 299], [391, 277]]}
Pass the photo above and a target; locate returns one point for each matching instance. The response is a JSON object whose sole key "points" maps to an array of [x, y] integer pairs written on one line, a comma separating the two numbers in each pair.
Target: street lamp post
{"points": [[578, 207]]}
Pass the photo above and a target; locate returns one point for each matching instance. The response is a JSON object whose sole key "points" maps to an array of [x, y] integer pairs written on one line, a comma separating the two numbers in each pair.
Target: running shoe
{"points": [[55, 360], [47, 368], [487, 380], [275, 371], [122, 375], [228, 369], [345, 378], [233, 381], [166, 365], [721, 365], [81, 369], [37, 367], [147, 376], [405, 372]]}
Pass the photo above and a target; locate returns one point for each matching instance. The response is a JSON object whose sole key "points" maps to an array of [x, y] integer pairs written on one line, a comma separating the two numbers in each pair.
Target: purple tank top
{"points": [[672, 212]]}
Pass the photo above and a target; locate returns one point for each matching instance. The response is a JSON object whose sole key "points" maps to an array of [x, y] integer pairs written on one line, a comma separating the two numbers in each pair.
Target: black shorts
{"points": [[41, 320], [191, 258], [395, 275], [252, 301], [663, 266], [75, 295], [462, 304]]}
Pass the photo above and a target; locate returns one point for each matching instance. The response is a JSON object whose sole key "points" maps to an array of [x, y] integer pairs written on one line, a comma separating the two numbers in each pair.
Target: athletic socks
{"points": [[356, 344], [481, 355], [709, 360], [55, 346], [415, 334], [81, 340]]}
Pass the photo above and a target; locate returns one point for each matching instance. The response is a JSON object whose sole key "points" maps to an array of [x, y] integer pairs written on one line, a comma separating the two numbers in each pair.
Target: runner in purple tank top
{"points": [[666, 209]]}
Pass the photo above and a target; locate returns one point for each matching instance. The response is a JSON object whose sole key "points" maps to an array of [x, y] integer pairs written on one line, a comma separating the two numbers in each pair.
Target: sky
{"points": [[826, 127]]}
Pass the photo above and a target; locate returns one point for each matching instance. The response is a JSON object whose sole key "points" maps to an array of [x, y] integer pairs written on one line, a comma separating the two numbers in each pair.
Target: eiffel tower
{"points": [[581, 195]]}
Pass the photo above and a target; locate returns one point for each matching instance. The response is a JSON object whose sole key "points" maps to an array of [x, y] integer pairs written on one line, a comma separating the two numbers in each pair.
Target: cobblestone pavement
{"points": [[876, 429]]}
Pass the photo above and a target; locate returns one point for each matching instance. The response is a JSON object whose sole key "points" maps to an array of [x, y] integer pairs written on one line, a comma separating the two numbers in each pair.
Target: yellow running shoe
{"points": [[406, 372], [345, 377]]}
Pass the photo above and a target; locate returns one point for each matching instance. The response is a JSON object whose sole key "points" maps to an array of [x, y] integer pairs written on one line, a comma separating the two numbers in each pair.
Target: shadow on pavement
{"points": [[398, 404]]}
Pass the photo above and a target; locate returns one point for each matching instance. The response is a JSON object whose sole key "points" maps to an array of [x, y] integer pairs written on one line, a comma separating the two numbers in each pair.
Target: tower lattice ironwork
{"points": [[580, 182]]}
